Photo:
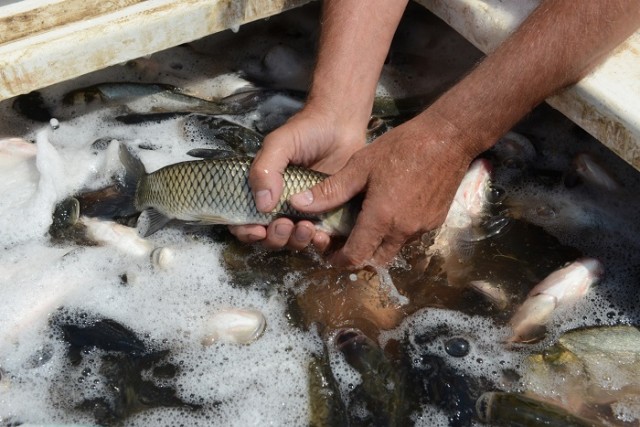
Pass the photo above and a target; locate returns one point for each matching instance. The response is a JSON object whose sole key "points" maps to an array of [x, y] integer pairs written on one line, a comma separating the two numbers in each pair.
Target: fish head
{"points": [[472, 195], [593, 172], [355, 345], [84, 96], [571, 283], [528, 323]]}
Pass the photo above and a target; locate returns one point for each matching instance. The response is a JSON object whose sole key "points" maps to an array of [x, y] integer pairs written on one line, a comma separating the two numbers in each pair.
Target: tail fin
{"points": [[133, 168], [116, 201]]}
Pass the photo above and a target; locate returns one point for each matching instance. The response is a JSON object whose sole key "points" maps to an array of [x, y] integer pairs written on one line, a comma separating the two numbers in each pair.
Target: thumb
{"points": [[265, 175], [332, 192]]}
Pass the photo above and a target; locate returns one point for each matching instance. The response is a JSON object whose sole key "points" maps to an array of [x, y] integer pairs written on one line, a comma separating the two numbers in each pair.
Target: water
{"points": [[552, 217]]}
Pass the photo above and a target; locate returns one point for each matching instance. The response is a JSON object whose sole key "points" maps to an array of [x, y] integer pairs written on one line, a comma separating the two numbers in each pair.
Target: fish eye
{"points": [[496, 194], [513, 163]]}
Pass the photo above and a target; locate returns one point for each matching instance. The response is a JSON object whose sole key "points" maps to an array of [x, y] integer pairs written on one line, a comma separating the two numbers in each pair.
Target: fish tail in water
{"points": [[134, 173], [118, 200], [133, 170]]}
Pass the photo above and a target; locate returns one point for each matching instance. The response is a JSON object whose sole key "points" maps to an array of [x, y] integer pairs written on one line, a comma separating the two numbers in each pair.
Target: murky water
{"points": [[99, 334]]}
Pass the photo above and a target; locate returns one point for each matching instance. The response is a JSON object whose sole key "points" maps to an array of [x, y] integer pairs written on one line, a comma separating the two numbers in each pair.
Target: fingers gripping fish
{"points": [[216, 190]]}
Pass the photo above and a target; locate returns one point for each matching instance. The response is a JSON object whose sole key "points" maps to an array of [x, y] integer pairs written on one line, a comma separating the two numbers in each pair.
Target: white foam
{"points": [[488, 356]]}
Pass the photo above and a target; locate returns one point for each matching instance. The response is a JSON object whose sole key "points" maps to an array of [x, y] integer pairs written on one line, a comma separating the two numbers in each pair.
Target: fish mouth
{"points": [[348, 337]]}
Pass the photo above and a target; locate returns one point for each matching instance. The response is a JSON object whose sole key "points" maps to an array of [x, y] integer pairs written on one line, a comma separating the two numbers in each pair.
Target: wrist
{"points": [[345, 108], [459, 132]]}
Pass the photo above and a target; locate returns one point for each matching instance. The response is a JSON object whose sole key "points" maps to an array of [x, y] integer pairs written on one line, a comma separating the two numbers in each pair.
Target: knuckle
{"points": [[328, 188]]}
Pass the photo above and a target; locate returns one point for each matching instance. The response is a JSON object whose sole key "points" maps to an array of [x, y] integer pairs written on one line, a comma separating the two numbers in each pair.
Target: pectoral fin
{"points": [[157, 220]]}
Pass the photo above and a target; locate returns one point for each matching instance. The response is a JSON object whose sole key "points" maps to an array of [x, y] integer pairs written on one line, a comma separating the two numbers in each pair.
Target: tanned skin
{"points": [[410, 174]]}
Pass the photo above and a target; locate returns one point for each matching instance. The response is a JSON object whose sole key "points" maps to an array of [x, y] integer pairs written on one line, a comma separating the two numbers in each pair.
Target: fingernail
{"points": [[302, 199], [263, 200], [284, 230], [302, 234]]}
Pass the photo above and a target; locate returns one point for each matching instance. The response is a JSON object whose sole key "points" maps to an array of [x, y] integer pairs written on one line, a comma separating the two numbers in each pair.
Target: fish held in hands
{"points": [[468, 219], [216, 190]]}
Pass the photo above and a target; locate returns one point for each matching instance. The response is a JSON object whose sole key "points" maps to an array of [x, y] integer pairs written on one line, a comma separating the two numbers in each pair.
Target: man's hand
{"points": [[410, 176], [310, 138]]}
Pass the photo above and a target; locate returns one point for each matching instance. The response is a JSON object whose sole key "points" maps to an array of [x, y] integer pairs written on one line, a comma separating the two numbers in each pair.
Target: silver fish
{"points": [[561, 289], [514, 409], [216, 191], [155, 98], [589, 371]]}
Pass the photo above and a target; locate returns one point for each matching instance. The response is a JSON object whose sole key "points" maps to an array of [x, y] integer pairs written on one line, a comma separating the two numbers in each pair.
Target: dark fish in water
{"points": [[438, 382], [325, 401], [130, 391], [159, 98], [135, 119], [514, 409], [270, 108], [103, 351], [384, 385], [105, 334], [32, 106], [220, 133], [65, 214], [216, 191], [446, 388]]}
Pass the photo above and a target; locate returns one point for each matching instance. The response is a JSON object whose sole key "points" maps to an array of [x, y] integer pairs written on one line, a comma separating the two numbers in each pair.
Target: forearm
{"points": [[354, 42], [555, 47]]}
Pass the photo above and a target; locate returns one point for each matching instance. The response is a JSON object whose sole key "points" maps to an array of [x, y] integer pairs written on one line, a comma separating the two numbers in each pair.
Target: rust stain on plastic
{"points": [[44, 58], [45, 18]]}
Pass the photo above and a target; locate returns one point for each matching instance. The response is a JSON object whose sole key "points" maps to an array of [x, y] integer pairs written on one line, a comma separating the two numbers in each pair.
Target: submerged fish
{"points": [[589, 371], [591, 170], [469, 219], [158, 98], [561, 289], [514, 409], [221, 133], [326, 407], [384, 389], [216, 191]]}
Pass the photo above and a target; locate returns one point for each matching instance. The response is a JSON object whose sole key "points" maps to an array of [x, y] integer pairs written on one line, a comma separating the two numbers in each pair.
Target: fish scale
{"points": [[217, 191]]}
